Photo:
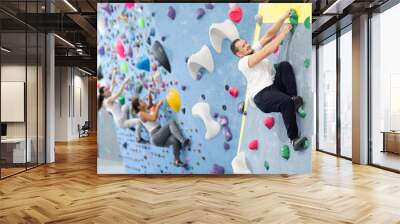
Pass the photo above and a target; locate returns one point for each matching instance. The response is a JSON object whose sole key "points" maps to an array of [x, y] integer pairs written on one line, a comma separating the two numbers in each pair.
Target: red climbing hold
{"points": [[253, 145], [130, 5], [233, 91], [119, 47], [269, 122], [235, 14]]}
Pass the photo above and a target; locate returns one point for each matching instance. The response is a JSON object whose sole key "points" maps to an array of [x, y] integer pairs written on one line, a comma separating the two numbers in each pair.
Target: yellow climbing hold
{"points": [[174, 100], [271, 12]]}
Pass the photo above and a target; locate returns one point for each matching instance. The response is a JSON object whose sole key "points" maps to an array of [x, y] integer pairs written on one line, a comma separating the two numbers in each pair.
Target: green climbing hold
{"points": [[121, 100], [294, 19], [301, 112], [285, 152], [306, 144], [124, 67], [141, 23], [266, 165], [307, 63], [307, 22]]}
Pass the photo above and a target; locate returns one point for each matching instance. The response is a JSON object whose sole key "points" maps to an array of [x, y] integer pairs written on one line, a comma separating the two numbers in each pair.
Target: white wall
{"points": [[71, 94]]}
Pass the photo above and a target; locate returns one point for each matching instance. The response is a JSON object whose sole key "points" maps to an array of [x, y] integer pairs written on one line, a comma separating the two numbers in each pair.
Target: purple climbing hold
{"points": [[227, 133], [108, 8], [102, 51], [226, 146], [209, 6], [217, 169], [171, 12], [130, 52], [200, 13], [223, 120], [215, 115]]}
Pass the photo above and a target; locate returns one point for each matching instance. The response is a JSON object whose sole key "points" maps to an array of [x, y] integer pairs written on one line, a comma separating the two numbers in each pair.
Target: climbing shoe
{"points": [[299, 143], [298, 102], [186, 143], [179, 163]]}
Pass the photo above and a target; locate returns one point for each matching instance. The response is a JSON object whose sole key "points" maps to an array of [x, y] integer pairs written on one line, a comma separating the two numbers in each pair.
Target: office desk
{"points": [[391, 141], [18, 149]]}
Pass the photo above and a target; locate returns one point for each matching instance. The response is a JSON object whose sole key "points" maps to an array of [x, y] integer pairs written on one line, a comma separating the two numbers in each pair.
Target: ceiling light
{"points": [[5, 50], [70, 5], [65, 41]]}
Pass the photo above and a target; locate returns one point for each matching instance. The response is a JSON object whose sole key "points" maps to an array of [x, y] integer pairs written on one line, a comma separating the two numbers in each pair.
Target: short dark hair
{"points": [[135, 104], [233, 47]]}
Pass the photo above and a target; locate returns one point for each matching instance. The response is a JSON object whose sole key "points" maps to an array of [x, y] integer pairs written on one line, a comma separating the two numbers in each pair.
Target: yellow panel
{"points": [[271, 12]]}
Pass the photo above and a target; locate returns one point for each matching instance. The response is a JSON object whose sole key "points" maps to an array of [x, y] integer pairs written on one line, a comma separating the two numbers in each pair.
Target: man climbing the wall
{"points": [[271, 90]]}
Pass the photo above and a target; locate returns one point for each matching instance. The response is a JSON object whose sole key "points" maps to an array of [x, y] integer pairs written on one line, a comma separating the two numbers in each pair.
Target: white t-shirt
{"points": [[259, 76]]}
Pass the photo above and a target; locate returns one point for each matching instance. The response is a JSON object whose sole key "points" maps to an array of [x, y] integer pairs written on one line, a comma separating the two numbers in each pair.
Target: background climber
{"points": [[162, 136], [272, 90]]}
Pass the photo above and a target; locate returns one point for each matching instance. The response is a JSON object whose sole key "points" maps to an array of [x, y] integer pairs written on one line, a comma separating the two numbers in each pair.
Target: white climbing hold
{"points": [[200, 59], [202, 111], [259, 19], [220, 31], [239, 164]]}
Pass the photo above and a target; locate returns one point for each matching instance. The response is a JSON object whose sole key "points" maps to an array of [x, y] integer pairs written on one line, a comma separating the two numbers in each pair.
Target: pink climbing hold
{"points": [[253, 145], [233, 91], [235, 14], [119, 47], [269, 122], [130, 5]]}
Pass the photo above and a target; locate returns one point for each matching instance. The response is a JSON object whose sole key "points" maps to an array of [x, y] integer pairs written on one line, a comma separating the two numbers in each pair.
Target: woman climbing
{"points": [[109, 101], [162, 136]]}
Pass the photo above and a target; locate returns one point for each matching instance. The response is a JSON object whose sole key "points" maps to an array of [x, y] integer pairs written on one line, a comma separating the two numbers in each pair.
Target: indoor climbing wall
{"points": [[174, 52], [274, 152]]}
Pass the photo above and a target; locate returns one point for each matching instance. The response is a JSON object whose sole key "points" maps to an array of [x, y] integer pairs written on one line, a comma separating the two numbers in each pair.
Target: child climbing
{"points": [[162, 136], [271, 89], [108, 100]]}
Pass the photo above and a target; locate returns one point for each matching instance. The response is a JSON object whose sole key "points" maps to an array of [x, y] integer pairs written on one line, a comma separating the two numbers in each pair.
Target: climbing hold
{"points": [[171, 12], [306, 144], [227, 133], [200, 13], [253, 145], [124, 67], [183, 111], [163, 38], [129, 5], [108, 8], [224, 107], [269, 122], [183, 88], [233, 91], [294, 19], [220, 31], [143, 63], [119, 47], [241, 107], [209, 6], [217, 169], [130, 52], [239, 164], [99, 73], [152, 32], [307, 22], [235, 14], [174, 100], [141, 23], [101, 51], [203, 97], [285, 152], [307, 63], [266, 165], [301, 112], [138, 88], [201, 59], [223, 120], [226, 146], [154, 67], [226, 87], [148, 40], [202, 111], [101, 25], [121, 100], [259, 19], [157, 50]]}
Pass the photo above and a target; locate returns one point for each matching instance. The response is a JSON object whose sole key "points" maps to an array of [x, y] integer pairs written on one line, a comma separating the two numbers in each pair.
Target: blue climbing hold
{"points": [[200, 13], [143, 63], [152, 32], [209, 6], [102, 51]]}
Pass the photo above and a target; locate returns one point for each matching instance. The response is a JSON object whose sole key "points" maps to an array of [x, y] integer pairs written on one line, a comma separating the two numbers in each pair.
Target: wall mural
{"points": [[204, 88]]}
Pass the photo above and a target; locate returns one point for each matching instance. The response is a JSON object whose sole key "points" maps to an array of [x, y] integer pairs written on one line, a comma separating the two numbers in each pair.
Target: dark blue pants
{"points": [[277, 98]]}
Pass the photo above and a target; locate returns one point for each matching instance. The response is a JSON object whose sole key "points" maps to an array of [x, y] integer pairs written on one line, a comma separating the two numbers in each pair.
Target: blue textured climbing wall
{"points": [[137, 28]]}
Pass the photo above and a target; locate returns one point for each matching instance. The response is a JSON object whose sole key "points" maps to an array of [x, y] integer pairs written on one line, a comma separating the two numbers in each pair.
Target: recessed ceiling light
{"points": [[5, 50], [64, 40], [70, 5]]}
